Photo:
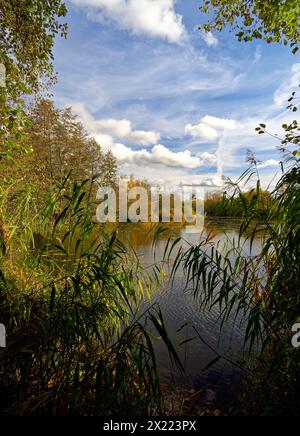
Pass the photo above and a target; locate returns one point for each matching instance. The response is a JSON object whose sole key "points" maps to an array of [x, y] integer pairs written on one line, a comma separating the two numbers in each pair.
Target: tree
{"points": [[108, 170], [272, 20], [59, 145], [27, 32]]}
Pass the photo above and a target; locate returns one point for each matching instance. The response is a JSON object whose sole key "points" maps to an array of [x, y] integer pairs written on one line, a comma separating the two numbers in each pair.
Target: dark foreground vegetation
{"points": [[263, 289], [71, 292]]}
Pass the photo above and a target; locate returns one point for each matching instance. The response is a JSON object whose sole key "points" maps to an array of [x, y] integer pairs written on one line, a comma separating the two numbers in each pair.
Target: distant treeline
{"points": [[224, 205]]}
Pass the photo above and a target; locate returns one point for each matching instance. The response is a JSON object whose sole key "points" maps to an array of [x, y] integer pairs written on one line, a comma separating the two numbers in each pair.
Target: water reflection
{"points": [[179, 307]]}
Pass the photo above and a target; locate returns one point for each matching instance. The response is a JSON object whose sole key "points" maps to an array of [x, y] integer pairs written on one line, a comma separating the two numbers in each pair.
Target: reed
{"points": [[71, 293], [261, 290]]}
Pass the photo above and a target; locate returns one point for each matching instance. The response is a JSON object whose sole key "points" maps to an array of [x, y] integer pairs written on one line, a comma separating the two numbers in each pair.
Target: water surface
{"points": [[178, 307]]}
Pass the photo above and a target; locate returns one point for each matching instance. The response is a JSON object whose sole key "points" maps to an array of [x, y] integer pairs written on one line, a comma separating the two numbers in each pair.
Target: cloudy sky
{"points": [[174, 105]]}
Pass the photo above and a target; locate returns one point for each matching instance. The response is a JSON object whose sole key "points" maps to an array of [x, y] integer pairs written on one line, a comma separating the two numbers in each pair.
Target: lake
{"points": [[179, 307]]}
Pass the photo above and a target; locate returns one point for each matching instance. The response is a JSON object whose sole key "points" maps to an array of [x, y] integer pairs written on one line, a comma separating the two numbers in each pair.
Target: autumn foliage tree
{"points": [[28, 29]]}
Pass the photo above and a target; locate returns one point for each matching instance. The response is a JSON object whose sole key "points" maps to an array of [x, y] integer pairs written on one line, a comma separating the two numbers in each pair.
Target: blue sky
{"points": [[173, 105]]}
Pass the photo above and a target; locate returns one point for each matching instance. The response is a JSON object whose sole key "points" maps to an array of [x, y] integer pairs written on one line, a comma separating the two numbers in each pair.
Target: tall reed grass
{"points": [[262, 290], [70, 298]]}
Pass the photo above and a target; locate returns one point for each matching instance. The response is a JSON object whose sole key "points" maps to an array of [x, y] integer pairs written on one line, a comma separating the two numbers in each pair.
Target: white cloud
{"points": [[283, 93], [258, 54], [111, 128], [106, 131], [161, 155], [126, 79], [155, 18], [220, 123], [210, 128], [202, 130], [144, 138], [209, 181], [172, 178], [210, 39], [105, 141], [269, 163]]}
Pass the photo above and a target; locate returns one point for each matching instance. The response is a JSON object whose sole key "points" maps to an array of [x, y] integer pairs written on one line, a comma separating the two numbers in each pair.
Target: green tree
{"points": [[60, 143], [59, 146], [272, 20], [108, 170], [27, 32]]}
